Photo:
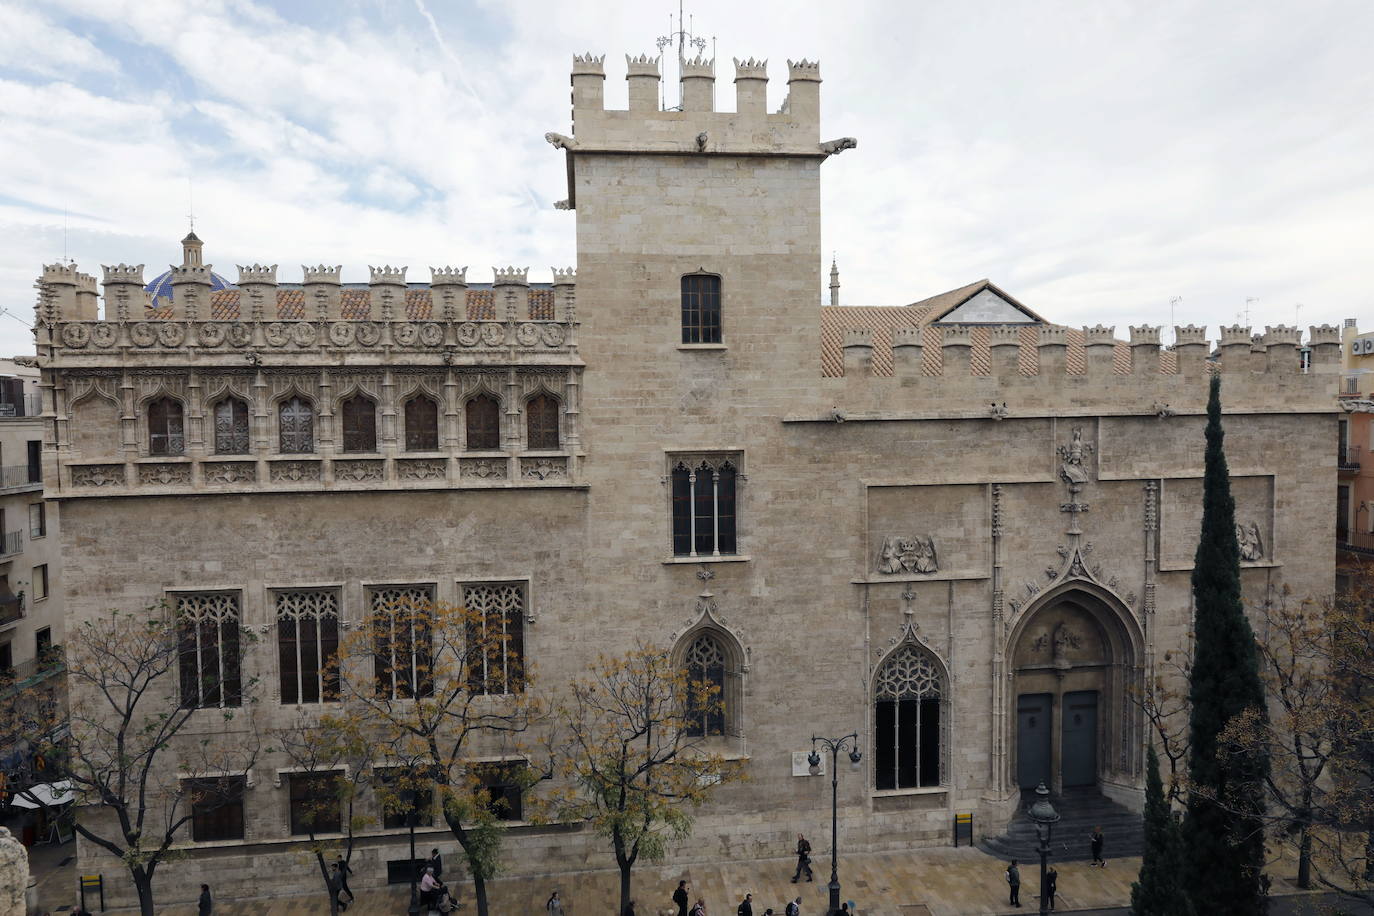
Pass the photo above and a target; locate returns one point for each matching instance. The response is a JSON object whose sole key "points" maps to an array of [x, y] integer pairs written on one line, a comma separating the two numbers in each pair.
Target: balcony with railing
{"points": [[19, 477], [1348, 458], [20, 405], [1361, 542], [11, 544]]}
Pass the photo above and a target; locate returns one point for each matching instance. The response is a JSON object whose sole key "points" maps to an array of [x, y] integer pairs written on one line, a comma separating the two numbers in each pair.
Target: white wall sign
{"points": [[800, 766]]}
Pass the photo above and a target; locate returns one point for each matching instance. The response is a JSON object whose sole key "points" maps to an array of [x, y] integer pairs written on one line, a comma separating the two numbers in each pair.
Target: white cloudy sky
{"points": [[1095, 158]]}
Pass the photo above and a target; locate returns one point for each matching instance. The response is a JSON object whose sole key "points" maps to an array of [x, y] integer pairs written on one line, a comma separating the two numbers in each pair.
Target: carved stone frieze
{"points": [[544, 468], [76, 335], [229, 472], [211, 334], [295, 471], [493, 335], [98, 475], [431, 334], [358, 471], [143, 334], [171, 335], [104, 334], [913, 554], [164, 474], [483, 468], [405, 334], [303, 334], [421, 469], [369, 333], [276, 334], [239, 336]]}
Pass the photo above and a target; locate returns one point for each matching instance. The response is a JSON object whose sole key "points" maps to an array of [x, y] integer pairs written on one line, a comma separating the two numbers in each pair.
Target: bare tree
{"points": [[1163, 701], [636, 754]]}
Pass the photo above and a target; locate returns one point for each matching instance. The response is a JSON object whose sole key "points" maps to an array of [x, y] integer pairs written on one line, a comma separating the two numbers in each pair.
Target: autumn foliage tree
{"points": [[635, 756], [435, 686]]}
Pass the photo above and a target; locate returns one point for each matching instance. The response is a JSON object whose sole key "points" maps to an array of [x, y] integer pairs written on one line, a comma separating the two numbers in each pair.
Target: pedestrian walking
{"points": [[1014, 883], [555, 905], [335, 882], [803, 859], [344, 872], [1051, 885], [794, 908], [680, 898], [206, 905], [1097, 841], [436, 862], [700, 908], [746, 906], [629, 909]]}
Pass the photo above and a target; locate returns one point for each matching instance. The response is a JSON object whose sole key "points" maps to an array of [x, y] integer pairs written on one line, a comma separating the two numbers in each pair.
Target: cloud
{"points": [[33, 44]]}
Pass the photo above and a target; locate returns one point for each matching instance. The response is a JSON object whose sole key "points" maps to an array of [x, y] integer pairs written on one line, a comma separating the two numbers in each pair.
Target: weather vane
{"points": [[683, 37]]}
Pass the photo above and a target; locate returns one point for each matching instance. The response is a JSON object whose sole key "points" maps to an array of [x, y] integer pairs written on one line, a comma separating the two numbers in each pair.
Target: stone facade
{"points": [[965, 536]]}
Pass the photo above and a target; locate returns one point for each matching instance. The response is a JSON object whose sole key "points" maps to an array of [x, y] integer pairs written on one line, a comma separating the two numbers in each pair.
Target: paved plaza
{"points": [[926, 882]]}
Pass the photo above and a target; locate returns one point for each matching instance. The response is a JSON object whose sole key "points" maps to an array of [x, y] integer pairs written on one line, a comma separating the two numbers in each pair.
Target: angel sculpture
{"points": [[1250, 542]]}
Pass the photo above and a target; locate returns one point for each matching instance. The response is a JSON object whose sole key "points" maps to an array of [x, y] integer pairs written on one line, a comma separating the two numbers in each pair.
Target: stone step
{"points": [[1080, 811]]}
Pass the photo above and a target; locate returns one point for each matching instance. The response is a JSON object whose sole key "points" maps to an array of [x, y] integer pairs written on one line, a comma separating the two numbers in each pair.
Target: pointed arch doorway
{"points": [[1074, 660]]}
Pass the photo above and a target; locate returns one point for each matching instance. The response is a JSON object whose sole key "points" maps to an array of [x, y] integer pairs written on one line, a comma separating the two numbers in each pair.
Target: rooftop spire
{"points": [[834, 282]]}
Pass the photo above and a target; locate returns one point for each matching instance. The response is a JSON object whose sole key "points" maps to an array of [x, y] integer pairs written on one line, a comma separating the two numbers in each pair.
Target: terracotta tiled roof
{"points": [[481, 305], [224, 305], [881, 320], [541, 305], [418, 304], [290, 303]]}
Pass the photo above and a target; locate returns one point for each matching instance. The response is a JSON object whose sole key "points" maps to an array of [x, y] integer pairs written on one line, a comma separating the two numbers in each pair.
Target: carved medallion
{"points": [[276, 334], [554, 335], [468, 334], [76, 335], [493, 335], [210, 334], [527, 335], [341, 333], [304, 334], [104, 335], [171, 335], [239, 335], [142, 334], [431, 335], [369, 332], [405, 334]]}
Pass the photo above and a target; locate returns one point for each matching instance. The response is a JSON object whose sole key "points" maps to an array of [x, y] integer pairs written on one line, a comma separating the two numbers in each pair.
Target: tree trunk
{"points": [[624, 862], [330, 887], [1305, 840], [624, 885], [143, 884], [479, 894]]}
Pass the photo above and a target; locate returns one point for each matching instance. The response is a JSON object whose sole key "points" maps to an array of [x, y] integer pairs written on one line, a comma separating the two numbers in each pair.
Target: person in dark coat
{"points": [[629, 909], [436, 862], [344, 872], [746, 906], [1014, 883], [206, 904], [803, 859], [1097, 840], [680, 898], [1051, 885]]}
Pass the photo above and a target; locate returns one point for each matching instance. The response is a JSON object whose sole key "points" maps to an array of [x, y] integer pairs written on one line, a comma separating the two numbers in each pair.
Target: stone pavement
{"points": [[925, 882]]}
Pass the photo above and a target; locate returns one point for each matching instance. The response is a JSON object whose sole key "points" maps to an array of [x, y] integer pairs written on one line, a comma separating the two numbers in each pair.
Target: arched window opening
{"points": [[703, 505], [483, 415], [422, 424], [231, 427], [705, 663], [297, 422], [165, 430], [700, 309], [359, 424], [541, 418], [907, 739]]}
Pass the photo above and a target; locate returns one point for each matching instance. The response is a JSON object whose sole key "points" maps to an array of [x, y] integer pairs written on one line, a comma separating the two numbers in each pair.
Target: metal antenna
{"points": [[1297, 314], [65, 259], [684, 38], [1174, 303], [191, 202], [1247, 309]]}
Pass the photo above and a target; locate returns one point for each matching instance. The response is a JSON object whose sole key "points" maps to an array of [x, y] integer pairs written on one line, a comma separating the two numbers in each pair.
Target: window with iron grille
{"points": [[359, 424], [308, 645], [216, 807], [483, 415], [402, 640], [541, 420], [210, 653], [496, 636], [908, 693], [231, 427], [315, 802], [704, 491], [296, 419], [701, 309], [165, 435], [422, 424]]}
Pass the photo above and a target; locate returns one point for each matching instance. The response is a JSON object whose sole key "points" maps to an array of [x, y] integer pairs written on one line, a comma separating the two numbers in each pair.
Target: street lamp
{"points": [[1045, 817], [408, 797], [849, 742]]}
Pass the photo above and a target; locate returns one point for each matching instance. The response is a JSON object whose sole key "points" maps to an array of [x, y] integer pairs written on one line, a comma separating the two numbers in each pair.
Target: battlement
{"points": [[123, 273], [191, 273], [59, 273], [322, 273], [564, 277], [387, 276], [257, 273], [448, 276], [511, 276], [698, 128]]}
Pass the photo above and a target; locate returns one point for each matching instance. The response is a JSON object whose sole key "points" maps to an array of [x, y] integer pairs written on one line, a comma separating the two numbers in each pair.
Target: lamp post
{"points": [[408, 797], [1045, 817], [849, 742]]}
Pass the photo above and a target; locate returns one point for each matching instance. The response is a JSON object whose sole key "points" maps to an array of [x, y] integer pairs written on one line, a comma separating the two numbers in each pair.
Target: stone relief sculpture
{"points": [[1250, 541], [1072, 467], [908, 555]]}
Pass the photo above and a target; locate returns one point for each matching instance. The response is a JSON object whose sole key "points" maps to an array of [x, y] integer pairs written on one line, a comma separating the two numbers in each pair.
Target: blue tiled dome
{"points": [[161, 287]]}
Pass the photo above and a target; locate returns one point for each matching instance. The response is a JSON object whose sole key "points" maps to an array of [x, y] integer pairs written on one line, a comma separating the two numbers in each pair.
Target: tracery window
{"points": [[308, 645], [705, 658], [496, 637], [908, 705], [359, 424], [402, 641], [703, 504], [231, 427], [483, 415], [297, 421], [701, 309], [541, 422], [422, 424], [165, 428], [210, 653]]}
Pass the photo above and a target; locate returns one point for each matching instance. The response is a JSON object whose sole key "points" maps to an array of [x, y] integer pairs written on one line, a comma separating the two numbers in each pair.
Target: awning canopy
{"points": [[44, 795]]}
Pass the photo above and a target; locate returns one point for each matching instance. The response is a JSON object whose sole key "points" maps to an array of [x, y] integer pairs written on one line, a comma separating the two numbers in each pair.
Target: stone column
{"points": [[858, 353], [908, 352], [956, 349], [1099, 344], [1052, 350], [1281, 349], [643, 79], [1144, 350], [1004, 341]]}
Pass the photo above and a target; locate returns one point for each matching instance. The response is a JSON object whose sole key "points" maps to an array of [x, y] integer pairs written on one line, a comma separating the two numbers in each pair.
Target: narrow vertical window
{"points": [[297, 422], [541, 419], [700, 309], [208, 631], [704, 505], [706, 682], [422, 424], [907, 719], [483, 416], [165, 435], [403, 641], [359, 424], [308, 646], [496, 637], [231, 427]]}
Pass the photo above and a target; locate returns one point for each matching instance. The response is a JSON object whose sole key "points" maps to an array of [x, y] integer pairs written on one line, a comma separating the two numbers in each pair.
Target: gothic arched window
{"points": [[359, 424], [701, 309], [907, 698], [422, 424], [296, 419], [705, 663], [541, 422], [483, 416], [231, 427], [165, 430]]}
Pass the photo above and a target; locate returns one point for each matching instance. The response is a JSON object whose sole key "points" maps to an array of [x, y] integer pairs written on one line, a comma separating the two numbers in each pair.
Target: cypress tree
{"points": [[1158, 889], [1223, 831]]}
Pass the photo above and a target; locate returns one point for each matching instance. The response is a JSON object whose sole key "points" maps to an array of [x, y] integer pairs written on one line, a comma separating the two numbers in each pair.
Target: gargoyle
{"points": [[563, 204], [558, 141], [835, 147], [701, 142]]}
